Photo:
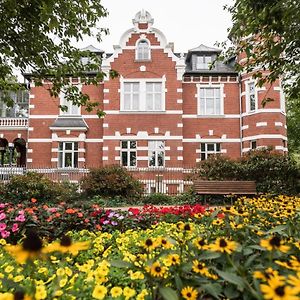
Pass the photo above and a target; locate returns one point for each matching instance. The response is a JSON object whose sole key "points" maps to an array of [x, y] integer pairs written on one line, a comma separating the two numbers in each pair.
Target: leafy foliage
{"points": [[111, 181], [293, 124], [33, 185], [38, 35], [272, 171], [268, 32]]}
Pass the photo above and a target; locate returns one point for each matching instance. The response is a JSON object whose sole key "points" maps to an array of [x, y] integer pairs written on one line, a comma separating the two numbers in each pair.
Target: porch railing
{"points": [[13, 122]]}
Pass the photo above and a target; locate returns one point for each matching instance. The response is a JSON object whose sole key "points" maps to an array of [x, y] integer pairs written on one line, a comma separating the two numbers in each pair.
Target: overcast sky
{"points": [[187, 23]]}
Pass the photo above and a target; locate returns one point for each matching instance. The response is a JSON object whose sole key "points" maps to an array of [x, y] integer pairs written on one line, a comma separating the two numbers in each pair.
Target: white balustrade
{"points": [[13, 122]]}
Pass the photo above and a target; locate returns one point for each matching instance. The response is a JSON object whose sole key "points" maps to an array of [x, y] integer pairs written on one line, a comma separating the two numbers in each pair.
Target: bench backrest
{"points": [[224, 187]]}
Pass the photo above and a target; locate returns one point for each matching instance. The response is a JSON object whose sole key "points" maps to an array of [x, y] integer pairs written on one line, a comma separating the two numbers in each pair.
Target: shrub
{"points": [[273, 172], [158, 199], [111, 181], [33, 185]]}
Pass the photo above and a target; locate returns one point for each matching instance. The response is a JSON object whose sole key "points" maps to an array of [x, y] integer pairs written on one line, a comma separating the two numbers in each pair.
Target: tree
{"points": [[293, 124], [38, 34], [268, 31]]}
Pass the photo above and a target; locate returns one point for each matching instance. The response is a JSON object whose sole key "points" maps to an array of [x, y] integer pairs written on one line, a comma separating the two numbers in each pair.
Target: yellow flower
{"points": [[274, 243], [18, 278], [116, 291], [8, 269], [164, 243], [223, 245], [142, 295], [157, 270], [172, 260], [67, 246], [149, 244], [189, 293], [40, 292], [60, 272], [295, 281], [30, 248], [218, 222], [199, 267], [63, 281], [277, 290], [200, 243], [7, 296], [99, 292], [128, 292]]}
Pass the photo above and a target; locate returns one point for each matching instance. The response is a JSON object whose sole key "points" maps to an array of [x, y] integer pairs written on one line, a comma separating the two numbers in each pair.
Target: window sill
{"points": [[142, 60], [142, 112], [211, 116]]}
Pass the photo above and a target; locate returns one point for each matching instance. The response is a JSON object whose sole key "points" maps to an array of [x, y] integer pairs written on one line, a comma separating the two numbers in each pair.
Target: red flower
{"points": [[33, 200], [134, 211], [80, 215]]}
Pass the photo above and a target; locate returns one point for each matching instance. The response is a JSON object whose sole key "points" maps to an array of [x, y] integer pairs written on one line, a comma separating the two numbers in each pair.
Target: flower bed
{"points": [[247, 251]]}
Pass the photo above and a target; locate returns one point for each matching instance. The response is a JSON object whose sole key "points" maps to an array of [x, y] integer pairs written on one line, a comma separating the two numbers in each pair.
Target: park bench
{"points": [[226, 188]]}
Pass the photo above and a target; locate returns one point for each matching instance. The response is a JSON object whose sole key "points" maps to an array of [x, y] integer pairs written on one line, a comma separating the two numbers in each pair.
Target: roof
{"points": [[203, 48], [91, 48], [69, 122]]}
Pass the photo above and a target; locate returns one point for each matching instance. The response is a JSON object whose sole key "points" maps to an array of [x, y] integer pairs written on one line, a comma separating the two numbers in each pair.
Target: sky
{"points": [[187, 23]]}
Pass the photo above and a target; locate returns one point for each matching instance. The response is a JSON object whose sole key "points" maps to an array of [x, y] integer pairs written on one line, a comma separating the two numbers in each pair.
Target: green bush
{"points": [[33, 185], [111, 181], [273, 172], [158, 199]]}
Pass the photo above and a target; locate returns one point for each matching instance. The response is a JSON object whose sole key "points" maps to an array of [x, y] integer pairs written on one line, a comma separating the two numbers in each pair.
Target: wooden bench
{"points": [[214, 187]]}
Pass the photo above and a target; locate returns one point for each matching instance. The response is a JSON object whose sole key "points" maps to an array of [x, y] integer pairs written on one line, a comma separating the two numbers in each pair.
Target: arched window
{"points": [[143, 50]]}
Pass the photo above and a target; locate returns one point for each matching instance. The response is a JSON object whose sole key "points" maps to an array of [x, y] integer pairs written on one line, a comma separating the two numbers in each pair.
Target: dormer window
{"points": [[203, 62], [143, 50]]}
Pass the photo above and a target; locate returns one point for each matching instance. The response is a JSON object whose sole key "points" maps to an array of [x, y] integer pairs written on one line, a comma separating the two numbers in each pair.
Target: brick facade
{"points": [[180, 123]]}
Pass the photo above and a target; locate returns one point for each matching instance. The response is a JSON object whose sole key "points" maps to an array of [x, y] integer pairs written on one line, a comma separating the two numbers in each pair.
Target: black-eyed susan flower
{"points": [[116, 291], [223, 245], [295, 281], [199, 267], [189, 293], [99, 292], [267, 274], [200, 243], [67, 246], [149, 244], [172, 260], [274, 243], [31, 248], [218, 222], [165, 243], [276, 289], [17, 295], [157, 270]]}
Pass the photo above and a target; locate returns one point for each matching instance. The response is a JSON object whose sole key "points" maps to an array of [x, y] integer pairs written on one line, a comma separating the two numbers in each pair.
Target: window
{"points": [[131, 95], [253, 145], [208, 149], [156, 153], [68, 155], [251, 96], [210, 101], [203, 62], [71, 108], [142, 50], [128, 153], [153, 96], [143, 95], [20, 103]]}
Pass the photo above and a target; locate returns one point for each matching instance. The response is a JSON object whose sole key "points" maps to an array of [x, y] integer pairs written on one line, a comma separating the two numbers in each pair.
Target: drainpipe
{"points": [[241, 120]]}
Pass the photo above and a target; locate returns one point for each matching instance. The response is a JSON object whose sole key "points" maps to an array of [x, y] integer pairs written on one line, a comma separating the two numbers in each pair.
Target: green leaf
{"points": [[178, 282], [213, 289], [168, 294], [209, 255], [120, 264], [232, 278], [277, 229]]}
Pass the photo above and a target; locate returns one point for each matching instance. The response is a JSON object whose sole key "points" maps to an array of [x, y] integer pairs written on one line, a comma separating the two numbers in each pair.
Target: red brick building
{"points": [[165, 109]]}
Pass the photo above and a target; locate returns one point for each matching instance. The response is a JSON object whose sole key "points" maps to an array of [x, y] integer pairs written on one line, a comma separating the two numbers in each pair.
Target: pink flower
{"points": [[20, 218], [2, 226], [5, 234], [2, 216], [15, 227], [21, 212]]}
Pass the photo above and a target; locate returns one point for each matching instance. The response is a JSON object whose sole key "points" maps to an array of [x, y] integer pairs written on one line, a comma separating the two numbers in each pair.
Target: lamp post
{"points": [[11, 147]]}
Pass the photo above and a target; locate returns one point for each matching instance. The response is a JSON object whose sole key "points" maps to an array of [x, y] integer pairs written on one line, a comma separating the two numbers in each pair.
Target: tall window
{"points": [[251, 96], [210, 101], [20, 103], [156, 153], [203, 62], [253, 145], [68, 155], [208, 149], [143, 95], [131, 95], [143, 50], [153, 96], [128, 153], [71, 108]]}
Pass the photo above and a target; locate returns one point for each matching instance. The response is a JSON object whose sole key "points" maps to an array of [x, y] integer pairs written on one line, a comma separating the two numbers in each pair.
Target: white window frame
{"points": [[248, 104], [69, 104], [143, 94], [207, 152], [62, 163], [282, 99], [156, 150], [206, 64], [128, 150], [214, 86], [137, 50]]}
